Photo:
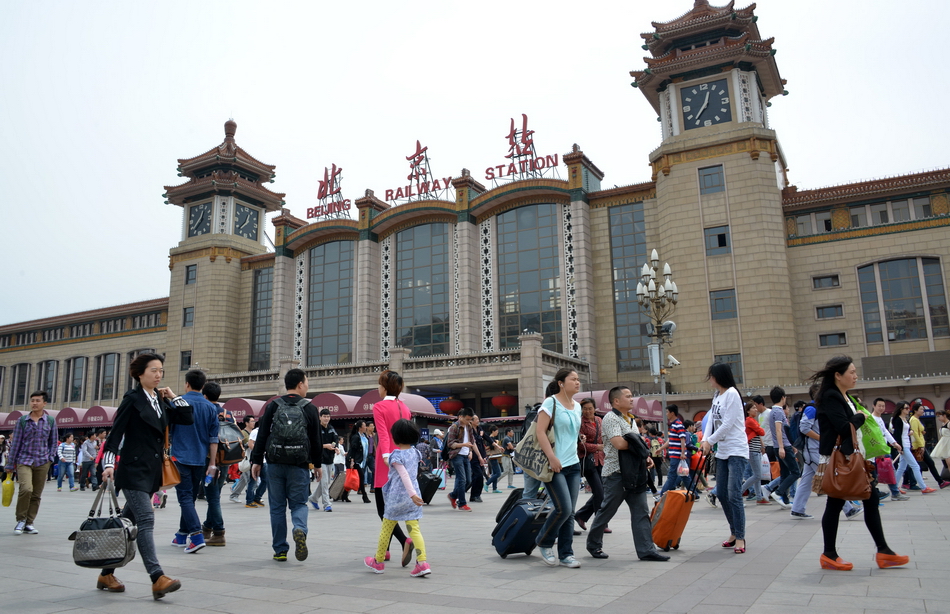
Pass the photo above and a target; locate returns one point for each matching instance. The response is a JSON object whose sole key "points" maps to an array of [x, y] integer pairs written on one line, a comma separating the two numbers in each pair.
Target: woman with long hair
{"points": [[836, 415], [386, 413], [356, 456], [140, 422], [563, 489], [726, 429], [900, 426]]}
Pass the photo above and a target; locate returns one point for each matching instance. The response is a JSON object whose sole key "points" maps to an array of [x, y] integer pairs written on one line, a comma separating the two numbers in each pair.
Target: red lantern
{"points": [[451, 406], [504, 402]]}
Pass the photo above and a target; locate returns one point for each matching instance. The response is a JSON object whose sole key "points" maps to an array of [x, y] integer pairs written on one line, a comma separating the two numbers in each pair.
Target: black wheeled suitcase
{"points": [[513, 497], [336, 486], [518, 530], [428, 484]]}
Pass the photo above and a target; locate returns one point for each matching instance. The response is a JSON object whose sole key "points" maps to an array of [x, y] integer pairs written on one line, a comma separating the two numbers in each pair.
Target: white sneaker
{"points": [[547, 554], [30, 529], [18, 529], [775, 497], [570, 561]]}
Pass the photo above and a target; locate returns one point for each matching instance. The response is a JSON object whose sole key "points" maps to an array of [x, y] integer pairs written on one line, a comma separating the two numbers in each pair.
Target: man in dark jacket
{"points": [[616, 425], [289, 435], [329, 437]]}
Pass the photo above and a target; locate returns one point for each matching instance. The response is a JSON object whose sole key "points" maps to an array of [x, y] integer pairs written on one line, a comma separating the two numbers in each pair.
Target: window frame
{"points": [[840, 334], [710, 188], [834, 276], [182, 365], [191, 274], [187, 317], [889, 210], [712, 304], [838, 306], [718, 250]]}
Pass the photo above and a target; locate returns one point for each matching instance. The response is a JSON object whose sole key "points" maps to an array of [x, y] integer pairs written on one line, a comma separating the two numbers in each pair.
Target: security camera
{"points": [[668, 328], [671, 362], [907, 378]]}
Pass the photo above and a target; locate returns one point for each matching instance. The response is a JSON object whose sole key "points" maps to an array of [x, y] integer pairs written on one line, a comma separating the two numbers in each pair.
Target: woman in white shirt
{"points": [[726, 427]]}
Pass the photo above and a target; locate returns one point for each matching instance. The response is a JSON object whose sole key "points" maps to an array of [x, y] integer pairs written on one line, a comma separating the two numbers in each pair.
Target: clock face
{"points": [[199, 219], [706, 104], [245, 221]]}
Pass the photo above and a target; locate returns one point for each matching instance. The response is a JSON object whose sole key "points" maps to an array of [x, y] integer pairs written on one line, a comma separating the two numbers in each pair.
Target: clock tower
{"points": [[224, 203], [719, 172]]}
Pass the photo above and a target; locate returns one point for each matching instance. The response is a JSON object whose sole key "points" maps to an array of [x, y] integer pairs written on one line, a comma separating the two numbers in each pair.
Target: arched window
{"points": [[107, 375], [529, 275], [422, 290], [905, 298], [46, 379], [20, 379], [75, 379], [330, 330]]}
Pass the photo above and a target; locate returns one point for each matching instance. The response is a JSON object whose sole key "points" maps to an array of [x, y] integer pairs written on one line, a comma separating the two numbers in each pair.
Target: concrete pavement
{"points": [[779, 572]]}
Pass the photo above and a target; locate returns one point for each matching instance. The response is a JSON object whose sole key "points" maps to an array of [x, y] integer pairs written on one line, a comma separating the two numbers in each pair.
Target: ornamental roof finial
{"points": [[700, 3], [230, 127]]}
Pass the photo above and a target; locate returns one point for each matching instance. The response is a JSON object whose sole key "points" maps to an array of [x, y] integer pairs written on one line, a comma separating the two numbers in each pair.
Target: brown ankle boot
{"points": [[163, 586], [110, 583], [216, 539], [206, 533]]}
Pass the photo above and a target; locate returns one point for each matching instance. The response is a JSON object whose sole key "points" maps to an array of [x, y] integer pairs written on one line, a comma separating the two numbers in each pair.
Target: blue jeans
{"points": [[213, 520], [532, 487], [673, 479], [729, 476], [463, 477], [289, 487], [563, 490], [907, 460], [495, 467], [254, 490], [70, 470], [753, 482], [191, 476]]}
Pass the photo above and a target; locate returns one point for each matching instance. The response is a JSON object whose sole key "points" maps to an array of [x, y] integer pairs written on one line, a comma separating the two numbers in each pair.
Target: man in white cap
{"points": [[435, 446]]}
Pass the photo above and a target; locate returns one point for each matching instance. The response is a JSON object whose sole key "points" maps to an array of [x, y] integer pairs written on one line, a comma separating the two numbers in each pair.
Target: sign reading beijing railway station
{"points": [[332, 204], [524, 162]]}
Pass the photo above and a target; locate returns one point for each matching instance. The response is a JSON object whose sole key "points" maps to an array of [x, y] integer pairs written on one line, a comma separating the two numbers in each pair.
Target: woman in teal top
{"points": [[565, 486]]}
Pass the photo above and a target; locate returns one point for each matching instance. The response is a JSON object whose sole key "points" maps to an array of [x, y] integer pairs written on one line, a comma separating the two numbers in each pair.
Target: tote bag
{"points": [[529, 455], [104, 541], [846, 477]]}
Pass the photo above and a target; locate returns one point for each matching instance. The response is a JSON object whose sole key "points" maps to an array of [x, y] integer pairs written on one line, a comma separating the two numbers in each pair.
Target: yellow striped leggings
{"points": [[386, 532]]}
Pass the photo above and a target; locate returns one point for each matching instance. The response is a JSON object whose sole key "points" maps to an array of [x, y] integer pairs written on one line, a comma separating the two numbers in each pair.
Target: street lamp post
{"points": [[657, 299]]}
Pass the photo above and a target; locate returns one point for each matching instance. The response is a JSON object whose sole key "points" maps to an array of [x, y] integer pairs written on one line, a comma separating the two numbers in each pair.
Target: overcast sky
{"points": [[98, 100]]}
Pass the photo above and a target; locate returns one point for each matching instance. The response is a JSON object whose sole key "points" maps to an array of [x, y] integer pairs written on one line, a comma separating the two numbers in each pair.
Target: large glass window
{"points": [[107, 367], [711, 180], [735, 363], [909, 289], [529, 277], [261, 309], [628, 252], [723, 304], [422, 289], [21, 382], [3, 372], [47, 378], [717, 240], [75, 379], [329, 340]]}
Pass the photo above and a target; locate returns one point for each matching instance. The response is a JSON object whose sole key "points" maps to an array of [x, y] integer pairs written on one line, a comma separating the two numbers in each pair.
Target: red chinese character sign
{"points": [[332, 204], [421, 184], [524, 161]]}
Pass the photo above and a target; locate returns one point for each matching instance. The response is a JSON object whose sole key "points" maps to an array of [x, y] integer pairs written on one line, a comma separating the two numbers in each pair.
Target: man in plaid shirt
{"points": [[35, 439]]}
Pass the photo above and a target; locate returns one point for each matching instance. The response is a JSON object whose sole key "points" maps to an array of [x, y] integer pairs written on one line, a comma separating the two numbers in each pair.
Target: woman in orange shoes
{"points": [[836, 414]]}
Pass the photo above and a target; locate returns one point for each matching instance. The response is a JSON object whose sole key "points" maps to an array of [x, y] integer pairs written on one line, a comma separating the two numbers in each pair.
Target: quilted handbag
{"points": [[104, 541]]}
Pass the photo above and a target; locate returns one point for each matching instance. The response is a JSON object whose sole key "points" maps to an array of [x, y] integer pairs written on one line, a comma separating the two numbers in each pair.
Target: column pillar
{"points": [[531, 375]]}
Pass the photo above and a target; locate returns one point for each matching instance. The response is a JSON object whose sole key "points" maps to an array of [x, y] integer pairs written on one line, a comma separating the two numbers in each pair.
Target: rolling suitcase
{"points": [[336, 486], [518, 530], [671, 513], [513, 497], [428, 485], [439, 472]]}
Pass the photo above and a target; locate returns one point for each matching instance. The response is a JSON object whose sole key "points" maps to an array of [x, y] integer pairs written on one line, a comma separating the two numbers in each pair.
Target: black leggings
{"points": [[872, 519], [380, 508]]}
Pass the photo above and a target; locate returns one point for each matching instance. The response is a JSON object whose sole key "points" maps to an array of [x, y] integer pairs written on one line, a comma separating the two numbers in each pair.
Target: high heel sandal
{"points": [[740, 550], [729, 544]]}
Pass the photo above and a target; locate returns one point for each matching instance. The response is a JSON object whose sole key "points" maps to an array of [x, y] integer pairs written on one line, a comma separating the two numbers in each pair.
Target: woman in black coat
{"points": [[836, 414], [138, 436], [355, 455]]}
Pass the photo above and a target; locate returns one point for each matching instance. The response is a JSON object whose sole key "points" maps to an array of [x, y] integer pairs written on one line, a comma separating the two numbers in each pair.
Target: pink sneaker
{"points": [[421, 569], [372, 564]]}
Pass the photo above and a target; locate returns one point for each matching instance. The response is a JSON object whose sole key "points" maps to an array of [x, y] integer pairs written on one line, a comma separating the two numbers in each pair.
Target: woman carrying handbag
{"points": [[838, 420], [139, 430]]}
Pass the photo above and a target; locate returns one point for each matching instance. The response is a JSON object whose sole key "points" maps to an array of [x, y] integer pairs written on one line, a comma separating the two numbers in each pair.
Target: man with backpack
{"points": [[289, 435], [192, 446], [35, 439]]}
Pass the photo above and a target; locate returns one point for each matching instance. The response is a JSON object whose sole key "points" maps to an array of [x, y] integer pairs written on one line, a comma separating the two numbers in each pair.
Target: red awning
{"points": [[97, 416], [242, 408], [11, 419], [601, 400], [419, 406], [340, 405], [71, 417]]}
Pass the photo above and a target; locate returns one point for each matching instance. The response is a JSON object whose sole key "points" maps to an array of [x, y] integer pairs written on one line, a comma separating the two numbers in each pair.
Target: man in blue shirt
{"points": [[192, 447]]}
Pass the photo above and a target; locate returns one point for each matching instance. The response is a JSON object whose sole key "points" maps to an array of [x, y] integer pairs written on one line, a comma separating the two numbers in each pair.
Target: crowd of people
{"points": [[296, 457]]}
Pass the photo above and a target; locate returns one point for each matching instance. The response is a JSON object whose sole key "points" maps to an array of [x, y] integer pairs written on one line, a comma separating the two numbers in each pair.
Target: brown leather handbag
{"points": [[846, 476], [170, 475]]}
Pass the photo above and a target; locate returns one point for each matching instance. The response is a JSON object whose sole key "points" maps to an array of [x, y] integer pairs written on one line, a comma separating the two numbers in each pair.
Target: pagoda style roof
{"points": [[707, 37], [794, 199], [226, 169]]}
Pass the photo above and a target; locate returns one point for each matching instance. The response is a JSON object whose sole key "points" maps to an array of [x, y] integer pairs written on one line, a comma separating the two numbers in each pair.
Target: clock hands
{"points": [[247, 218], [703, 108], [198, 222]]}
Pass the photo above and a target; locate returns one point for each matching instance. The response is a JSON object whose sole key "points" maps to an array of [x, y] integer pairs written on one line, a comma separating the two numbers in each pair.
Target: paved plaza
{"points": [[779, 573]]}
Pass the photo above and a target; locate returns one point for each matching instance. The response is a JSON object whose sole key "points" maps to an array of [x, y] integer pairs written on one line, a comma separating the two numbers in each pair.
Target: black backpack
{"points": [[796, 437], [444, 453], [288, 443], [529, 417]]}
